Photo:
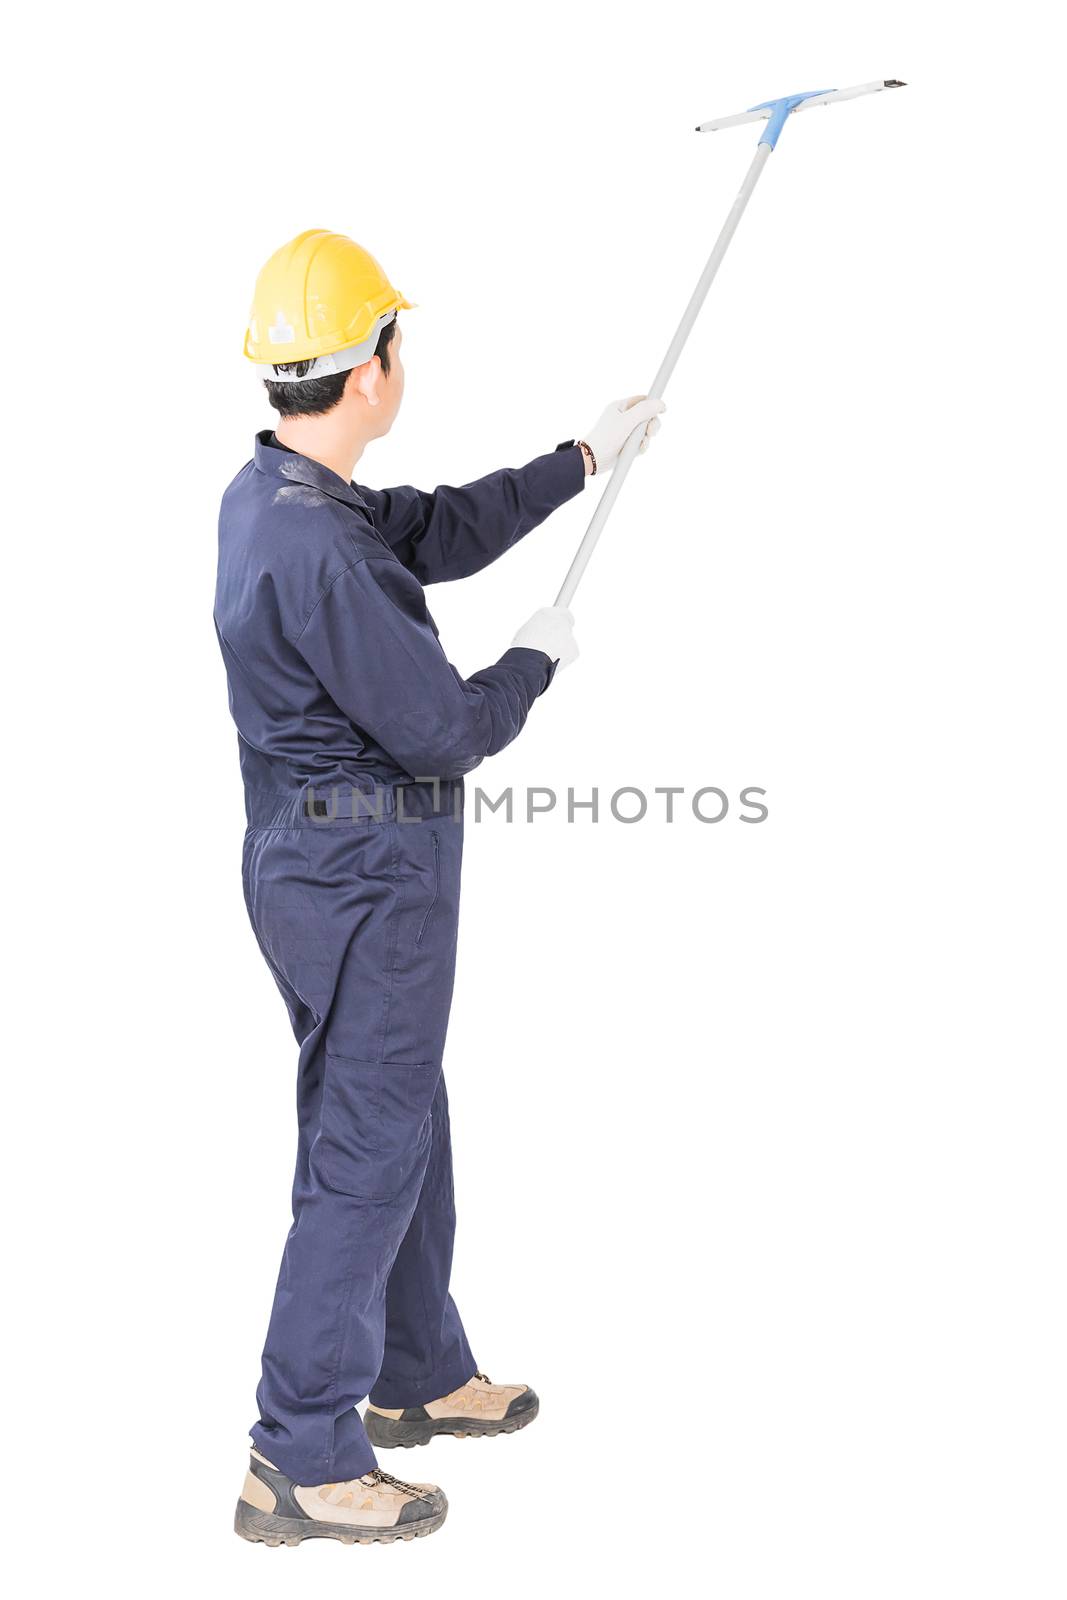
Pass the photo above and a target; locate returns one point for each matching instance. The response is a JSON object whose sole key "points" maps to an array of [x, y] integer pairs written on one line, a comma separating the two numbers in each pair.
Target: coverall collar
{"points": [[278, 461]]}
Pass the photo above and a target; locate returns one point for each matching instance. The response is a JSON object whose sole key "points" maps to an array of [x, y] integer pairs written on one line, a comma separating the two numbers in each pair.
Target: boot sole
{"points": [[262, 1527], [387, 1433]]}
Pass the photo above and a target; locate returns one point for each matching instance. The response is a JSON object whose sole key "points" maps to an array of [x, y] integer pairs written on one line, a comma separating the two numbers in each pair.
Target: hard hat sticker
{"points": [[280, 332]]}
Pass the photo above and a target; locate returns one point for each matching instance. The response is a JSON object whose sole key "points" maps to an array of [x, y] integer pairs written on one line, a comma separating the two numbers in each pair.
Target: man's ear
{"points": [[367, 379]]}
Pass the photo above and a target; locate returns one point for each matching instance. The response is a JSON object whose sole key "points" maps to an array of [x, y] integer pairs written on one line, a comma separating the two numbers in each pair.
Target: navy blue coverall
{"points": [[346, 707]]}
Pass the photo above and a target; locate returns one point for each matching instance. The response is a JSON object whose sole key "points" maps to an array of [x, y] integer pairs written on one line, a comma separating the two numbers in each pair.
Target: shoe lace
{"points": [[385, 1480]]}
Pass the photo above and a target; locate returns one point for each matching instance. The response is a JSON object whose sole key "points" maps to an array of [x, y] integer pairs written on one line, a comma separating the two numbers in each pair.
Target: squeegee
{"points": [[775, 113]]}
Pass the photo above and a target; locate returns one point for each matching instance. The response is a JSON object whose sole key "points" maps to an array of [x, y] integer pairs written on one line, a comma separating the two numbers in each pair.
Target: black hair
{"points": [[321, 394]]}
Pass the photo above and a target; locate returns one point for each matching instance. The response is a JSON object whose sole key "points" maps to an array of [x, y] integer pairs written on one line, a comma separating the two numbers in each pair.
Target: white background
{"points": [[759, 1130]]}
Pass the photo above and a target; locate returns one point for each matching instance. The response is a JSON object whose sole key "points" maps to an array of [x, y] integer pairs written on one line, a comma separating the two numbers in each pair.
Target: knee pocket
{"points": [[375, 1132]]}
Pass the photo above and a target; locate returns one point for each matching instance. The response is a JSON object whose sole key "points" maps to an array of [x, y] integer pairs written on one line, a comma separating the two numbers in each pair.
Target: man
{"points": [[354, 735]]}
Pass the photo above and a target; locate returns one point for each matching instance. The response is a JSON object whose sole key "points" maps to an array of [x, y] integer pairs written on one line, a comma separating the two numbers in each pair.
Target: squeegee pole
{"points": [[633, 444]]}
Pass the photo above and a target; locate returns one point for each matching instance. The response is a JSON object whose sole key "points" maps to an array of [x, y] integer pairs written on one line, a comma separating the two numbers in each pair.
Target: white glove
{"points": [[550, 630], [616, 425]]}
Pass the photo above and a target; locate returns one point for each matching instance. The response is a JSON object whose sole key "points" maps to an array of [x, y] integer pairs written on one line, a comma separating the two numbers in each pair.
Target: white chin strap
{"points": [[339, 361]]}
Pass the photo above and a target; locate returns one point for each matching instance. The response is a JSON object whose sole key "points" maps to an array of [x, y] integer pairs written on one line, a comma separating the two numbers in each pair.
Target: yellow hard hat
{"points": [[320, 298]]}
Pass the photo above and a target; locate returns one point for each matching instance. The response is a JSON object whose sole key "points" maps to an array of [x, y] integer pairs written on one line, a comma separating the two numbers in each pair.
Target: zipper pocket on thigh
{"points": [[436, 837]]}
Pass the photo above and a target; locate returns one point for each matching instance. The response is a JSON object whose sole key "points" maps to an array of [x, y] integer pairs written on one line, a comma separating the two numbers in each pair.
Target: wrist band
{"points": [[589, 452]]}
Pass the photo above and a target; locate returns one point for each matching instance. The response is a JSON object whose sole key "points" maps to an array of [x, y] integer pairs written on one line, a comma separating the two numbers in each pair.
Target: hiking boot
{"points": [[374, 1509], [475, 1410]]}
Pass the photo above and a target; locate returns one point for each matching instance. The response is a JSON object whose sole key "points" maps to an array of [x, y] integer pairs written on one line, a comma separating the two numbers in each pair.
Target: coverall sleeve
{"points": [[450, 532], [372, 645]]}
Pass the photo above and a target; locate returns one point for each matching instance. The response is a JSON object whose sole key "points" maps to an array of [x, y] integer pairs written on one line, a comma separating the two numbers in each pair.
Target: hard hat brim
{"points": [[335, 361]]}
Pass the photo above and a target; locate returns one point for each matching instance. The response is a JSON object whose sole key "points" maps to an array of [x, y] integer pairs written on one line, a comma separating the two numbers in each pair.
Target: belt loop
{"points": [[318, 810]]}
